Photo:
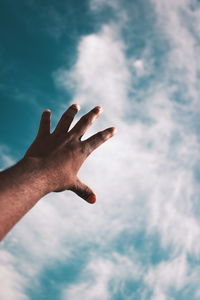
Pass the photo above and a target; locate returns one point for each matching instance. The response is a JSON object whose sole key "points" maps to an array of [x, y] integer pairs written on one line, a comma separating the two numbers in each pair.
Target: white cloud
{"points": [[100, 73], [174, 20], [143, 177], [138, 65], [174, 274], [168, 274], [154, 161], [12, 282], [6, 159], [98, 276]]}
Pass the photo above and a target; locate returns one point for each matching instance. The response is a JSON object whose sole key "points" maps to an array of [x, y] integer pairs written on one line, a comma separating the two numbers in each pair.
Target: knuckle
{"points": [[66, 115], [102, 135], [86, 119], [86, 149]]}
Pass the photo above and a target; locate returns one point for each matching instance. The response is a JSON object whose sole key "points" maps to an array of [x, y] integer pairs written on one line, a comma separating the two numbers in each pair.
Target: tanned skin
{"points": [[50, 164]]}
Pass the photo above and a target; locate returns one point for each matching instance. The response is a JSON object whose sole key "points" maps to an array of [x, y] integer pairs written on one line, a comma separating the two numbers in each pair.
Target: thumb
{"points": [[84, 191]]}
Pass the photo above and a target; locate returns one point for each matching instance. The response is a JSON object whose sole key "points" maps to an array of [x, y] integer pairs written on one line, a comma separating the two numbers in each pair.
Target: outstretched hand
{"points": [[61, 153]]}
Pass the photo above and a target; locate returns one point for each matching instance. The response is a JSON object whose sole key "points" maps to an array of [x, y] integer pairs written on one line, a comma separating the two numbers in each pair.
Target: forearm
{"points": [[51, 163], [21, 186]]}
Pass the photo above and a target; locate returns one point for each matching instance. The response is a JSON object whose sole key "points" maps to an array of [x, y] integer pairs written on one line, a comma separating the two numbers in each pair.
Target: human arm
{"points": [[51, 164]]}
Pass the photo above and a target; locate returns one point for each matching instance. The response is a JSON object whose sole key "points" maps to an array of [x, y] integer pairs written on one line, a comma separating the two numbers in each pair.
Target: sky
{"points": [[140, 61]]}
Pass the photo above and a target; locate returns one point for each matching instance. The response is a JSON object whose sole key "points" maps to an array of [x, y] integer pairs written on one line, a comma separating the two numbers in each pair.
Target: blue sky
{"points": [[140, 61]]}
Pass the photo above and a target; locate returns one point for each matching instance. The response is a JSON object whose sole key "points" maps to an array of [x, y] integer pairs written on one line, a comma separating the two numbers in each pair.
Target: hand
{"points": [[61, 153]]}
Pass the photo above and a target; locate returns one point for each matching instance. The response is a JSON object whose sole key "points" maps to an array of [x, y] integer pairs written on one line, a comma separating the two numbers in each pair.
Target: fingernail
{"points": [[77, 106], [47, 110], [114, 130], [91, 199], [99, 108]]}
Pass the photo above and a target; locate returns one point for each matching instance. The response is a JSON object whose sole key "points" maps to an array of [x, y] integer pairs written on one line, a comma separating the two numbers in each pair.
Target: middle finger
{"points": [[86, 121]]}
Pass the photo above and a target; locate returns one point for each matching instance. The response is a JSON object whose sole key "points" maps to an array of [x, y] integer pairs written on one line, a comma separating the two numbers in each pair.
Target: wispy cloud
{"points": [[104, 276], [6, 158], [12, 282], [144, 177]]}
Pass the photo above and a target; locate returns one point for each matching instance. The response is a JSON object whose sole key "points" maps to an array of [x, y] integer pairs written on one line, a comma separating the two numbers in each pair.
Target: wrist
{"points": [[31, 170], [22, 186]]}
